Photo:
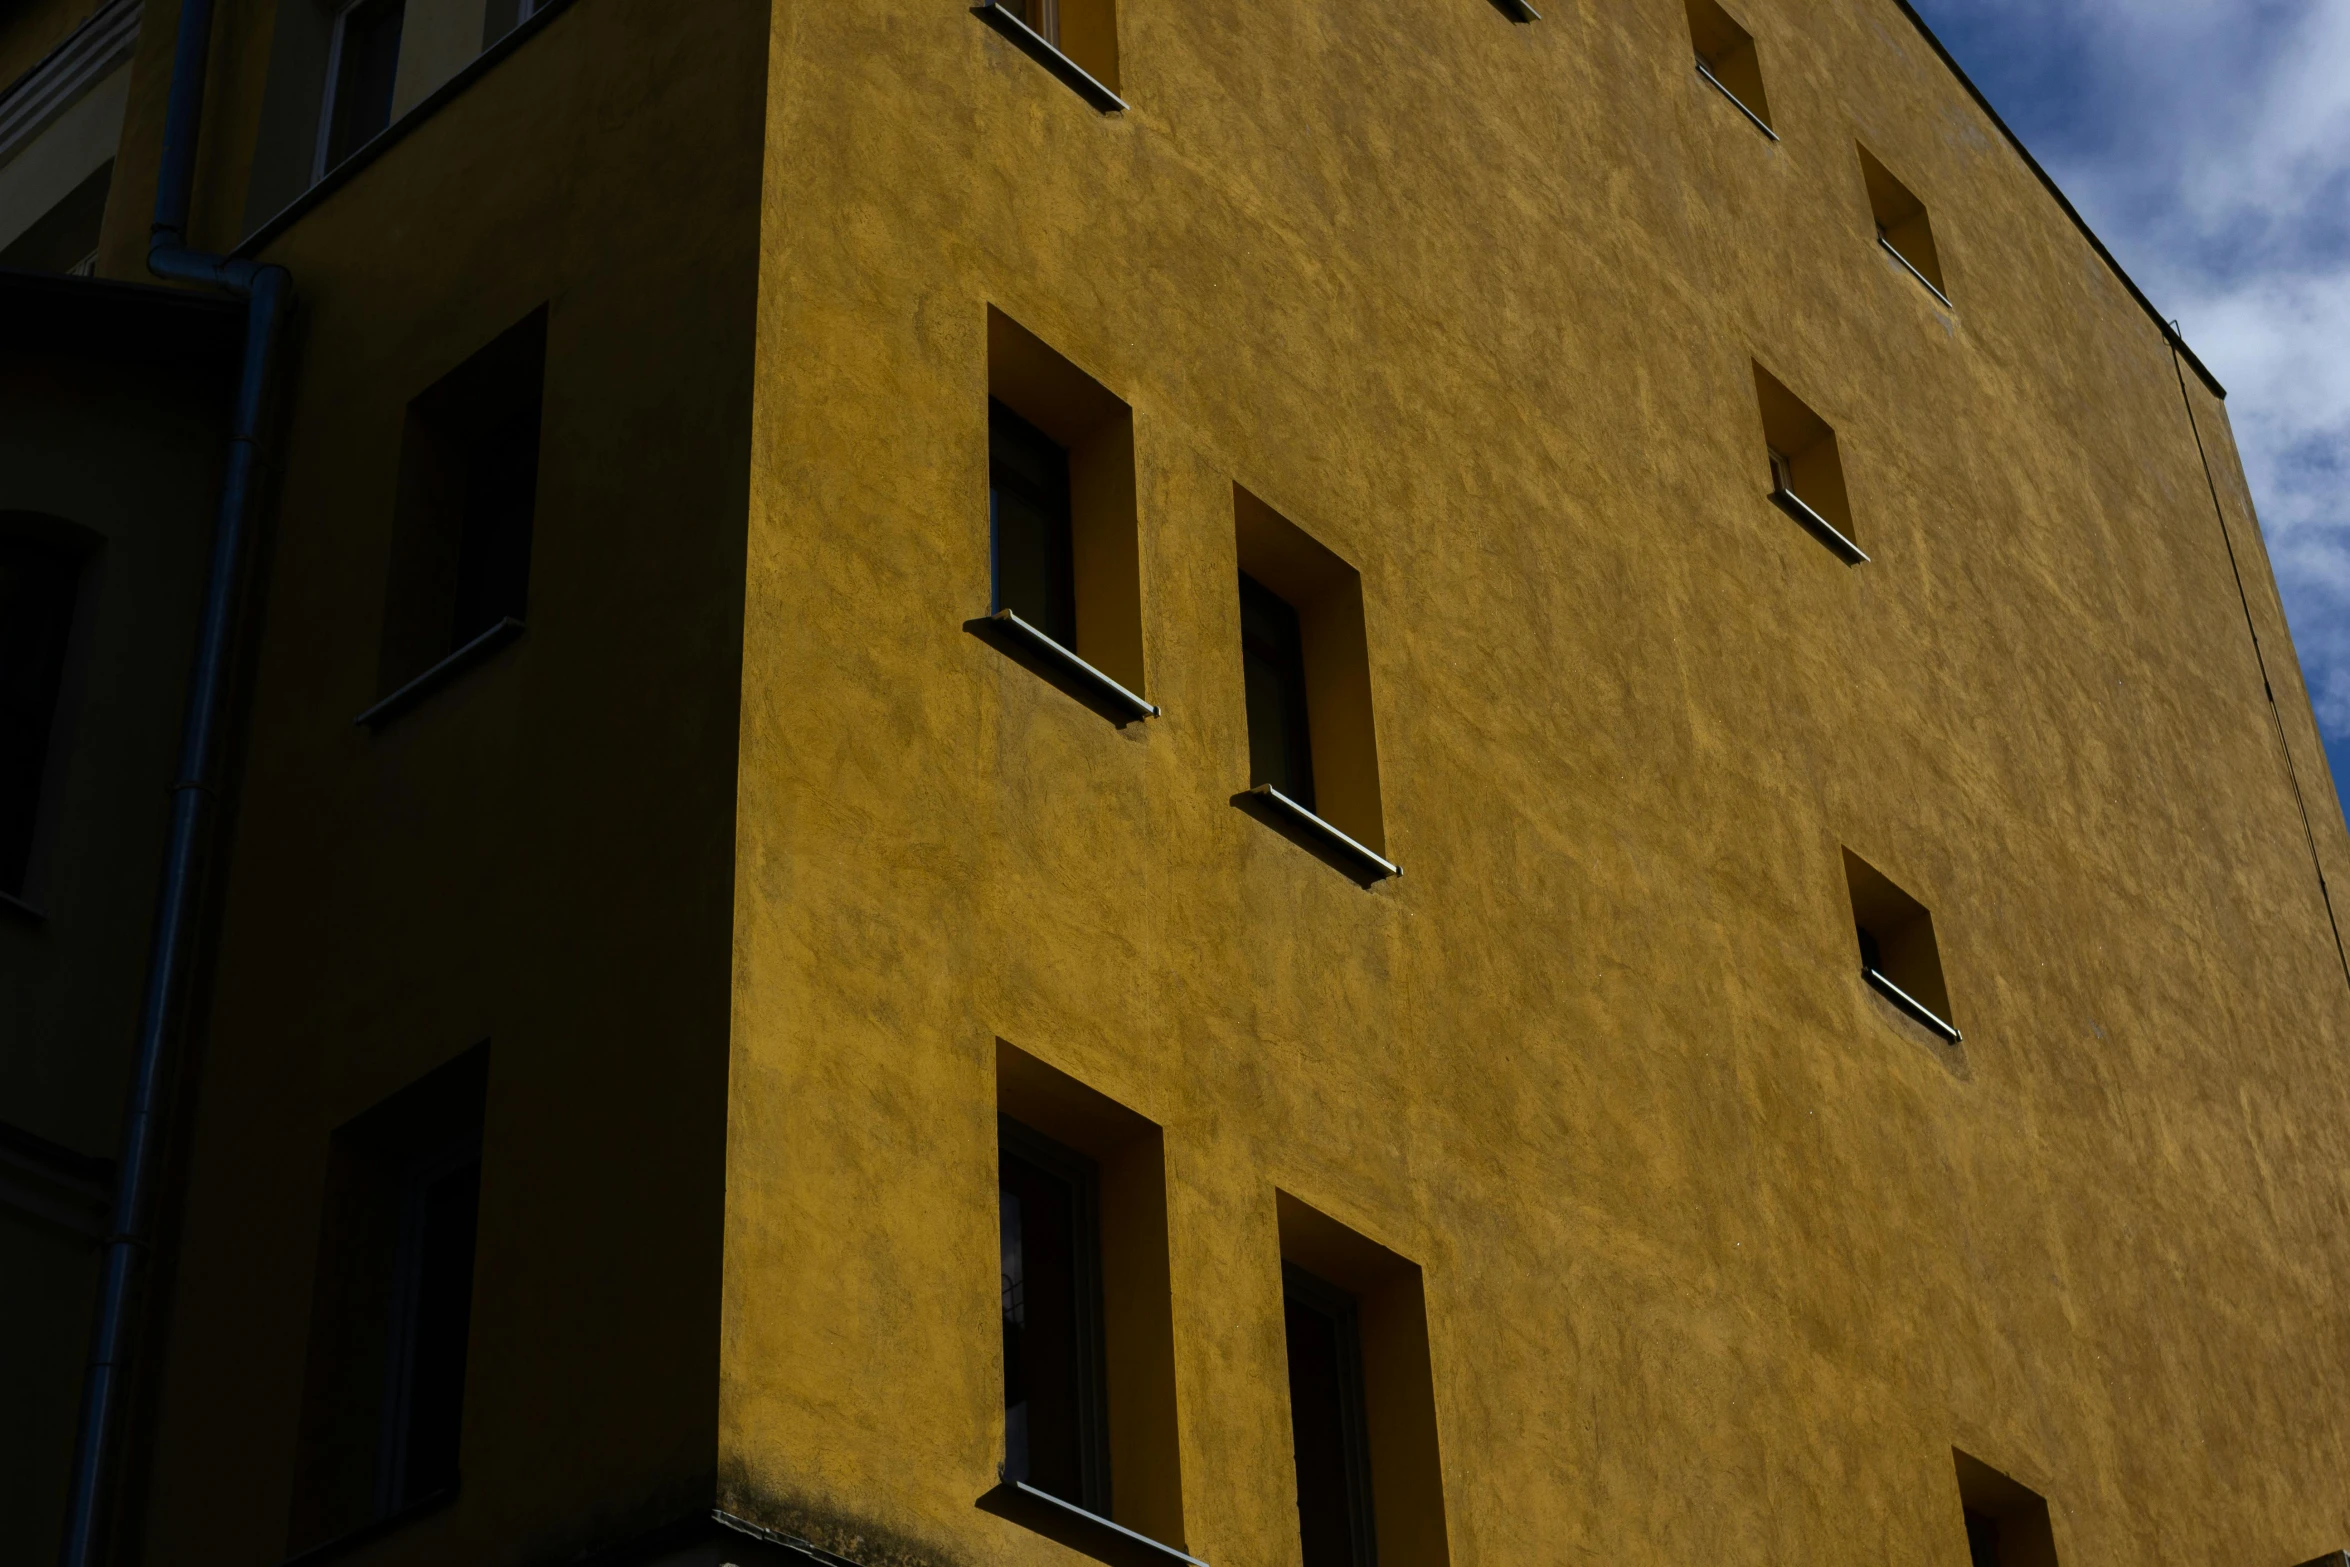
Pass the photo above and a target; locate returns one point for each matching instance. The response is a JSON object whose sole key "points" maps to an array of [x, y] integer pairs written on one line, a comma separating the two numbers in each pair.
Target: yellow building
{"points": [[1083, 780]]}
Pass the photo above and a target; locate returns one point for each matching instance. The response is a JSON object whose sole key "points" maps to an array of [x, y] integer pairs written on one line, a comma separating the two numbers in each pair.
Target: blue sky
{"points": [[2208, 143]]}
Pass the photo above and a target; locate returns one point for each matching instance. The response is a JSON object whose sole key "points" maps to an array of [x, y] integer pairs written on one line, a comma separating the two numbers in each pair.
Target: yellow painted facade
{"points": [[768, 885]]}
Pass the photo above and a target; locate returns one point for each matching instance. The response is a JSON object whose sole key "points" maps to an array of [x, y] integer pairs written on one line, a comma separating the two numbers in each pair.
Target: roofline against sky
{"points": [[2170, 333]]}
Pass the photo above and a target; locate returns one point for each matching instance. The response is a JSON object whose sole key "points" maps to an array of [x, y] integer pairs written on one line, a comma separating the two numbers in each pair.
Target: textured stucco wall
{"points": [[540, 853], [1721, 1259]]}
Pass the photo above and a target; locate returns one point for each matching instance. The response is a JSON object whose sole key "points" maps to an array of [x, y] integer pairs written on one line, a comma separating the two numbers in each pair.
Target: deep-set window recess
{"points": [[1904, 231], [1076, 40], [1727, 59], [1898, 954], [1805, 467]]}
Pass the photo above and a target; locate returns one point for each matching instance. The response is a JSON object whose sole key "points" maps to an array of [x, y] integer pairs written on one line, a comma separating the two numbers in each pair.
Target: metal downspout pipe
{"points": [[268, 291]]}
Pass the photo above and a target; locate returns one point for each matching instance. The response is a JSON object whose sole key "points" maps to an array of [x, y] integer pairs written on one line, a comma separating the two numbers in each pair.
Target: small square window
{"points": [[1898, 954], [1805, 467], [1903, 229], [1726, 57]]}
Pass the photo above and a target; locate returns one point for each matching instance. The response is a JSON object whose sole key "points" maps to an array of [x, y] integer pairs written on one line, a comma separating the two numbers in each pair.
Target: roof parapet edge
{"points": [[2170, 333]]}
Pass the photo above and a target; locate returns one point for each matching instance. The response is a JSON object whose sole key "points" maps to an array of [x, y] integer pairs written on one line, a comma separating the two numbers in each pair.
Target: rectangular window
{"points": [[1806, 467], [1362, 1397], [1726, 57], [1064, 563], [1898, 954], [2007, 1523], [384, 1394], [363, 63], [39, 582], [1306, 688], [1273, 665], [1029, 523], [1903, 229], [459, 583], [1055, 1414], [1329, 1438], [1088, 1320]]}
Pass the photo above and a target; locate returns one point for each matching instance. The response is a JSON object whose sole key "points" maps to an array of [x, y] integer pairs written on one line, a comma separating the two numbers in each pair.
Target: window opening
{"points": [[1076, 40], [1329, 1437], [1903, 229], [1028, 517], [1362, 1397], [1726, 57], [1273, 665], [1055, 1411], [39, 582], [1806, 468], [2007, 1523], [384, 1393], [363, 65], [1064, 552], [1305, 668], [459, 583], [1898, 954]]}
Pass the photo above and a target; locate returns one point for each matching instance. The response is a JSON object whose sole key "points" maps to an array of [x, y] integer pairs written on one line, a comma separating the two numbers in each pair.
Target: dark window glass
{"points": [[1326, 1423], [1028, 517], [1055, 1421], [383, 1398], [1982, 1540], [1273, 663], [37, 583], [1871, 957], [434, 1299], [367, 58], [493, 561]]}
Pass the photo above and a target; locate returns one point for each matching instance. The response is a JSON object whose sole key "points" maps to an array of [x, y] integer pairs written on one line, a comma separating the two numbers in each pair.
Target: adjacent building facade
{"points": [[1093, 781]]}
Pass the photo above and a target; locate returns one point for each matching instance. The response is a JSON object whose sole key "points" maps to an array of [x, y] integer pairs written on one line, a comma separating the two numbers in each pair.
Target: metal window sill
{"points": [[1037, 652], [1038, 48], [1910, 1004], [1792, 504], [1517, 10], [448, 669], [1923, 281], [1760, 123], [1074, 1527], [1318, 837]]}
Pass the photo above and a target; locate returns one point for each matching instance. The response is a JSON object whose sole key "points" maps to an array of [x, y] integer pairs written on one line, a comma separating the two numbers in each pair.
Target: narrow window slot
{"points": [[1362, 1397], [383, 1398], [458, 586], [1064, 557], [1091, 1456], [1727, 59], [1306, 690]]}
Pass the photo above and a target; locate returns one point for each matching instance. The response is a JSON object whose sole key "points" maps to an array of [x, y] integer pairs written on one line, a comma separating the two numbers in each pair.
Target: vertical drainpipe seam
{"points": [[2260, 659], [268, 293]]}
